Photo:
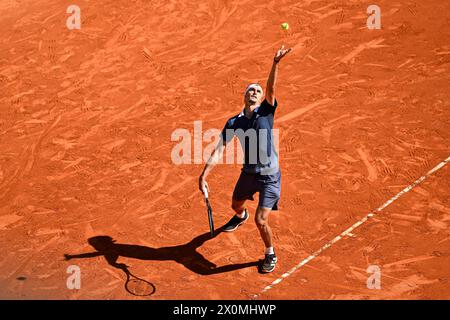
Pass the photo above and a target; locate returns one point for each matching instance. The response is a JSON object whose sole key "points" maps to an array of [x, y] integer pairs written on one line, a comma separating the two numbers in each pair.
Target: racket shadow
{"points": [[185, 254], [137, 286]]}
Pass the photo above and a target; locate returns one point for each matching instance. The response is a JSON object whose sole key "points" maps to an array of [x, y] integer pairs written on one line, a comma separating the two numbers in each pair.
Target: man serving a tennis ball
{"points": [[260, 172]]}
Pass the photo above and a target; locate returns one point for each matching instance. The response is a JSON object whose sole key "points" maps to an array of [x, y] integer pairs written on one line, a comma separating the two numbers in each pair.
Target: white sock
{"points": [[269, 250], [241, 215]]}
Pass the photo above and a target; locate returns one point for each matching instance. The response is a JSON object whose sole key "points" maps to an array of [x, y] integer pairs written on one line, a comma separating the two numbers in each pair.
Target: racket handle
{"points": [[205, 192]]}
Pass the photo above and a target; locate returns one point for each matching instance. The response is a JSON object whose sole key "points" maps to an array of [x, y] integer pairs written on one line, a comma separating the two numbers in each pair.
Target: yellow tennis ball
{"points": [[285, 26]]}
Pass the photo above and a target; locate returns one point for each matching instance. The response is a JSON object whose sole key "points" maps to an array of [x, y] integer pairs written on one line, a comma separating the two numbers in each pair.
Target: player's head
{"points": [[101, 243], [253, 94]]}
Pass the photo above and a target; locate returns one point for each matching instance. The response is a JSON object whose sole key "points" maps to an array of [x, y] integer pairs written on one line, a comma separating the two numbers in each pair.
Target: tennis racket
{"points": [[210, 216], [137, 286]]}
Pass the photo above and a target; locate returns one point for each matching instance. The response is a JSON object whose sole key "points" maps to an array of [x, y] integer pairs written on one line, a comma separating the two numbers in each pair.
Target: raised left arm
{"points": [[270, 88]]}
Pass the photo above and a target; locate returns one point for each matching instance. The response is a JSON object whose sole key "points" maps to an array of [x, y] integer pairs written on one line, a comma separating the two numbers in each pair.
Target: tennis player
{"points": [[260, 172]]}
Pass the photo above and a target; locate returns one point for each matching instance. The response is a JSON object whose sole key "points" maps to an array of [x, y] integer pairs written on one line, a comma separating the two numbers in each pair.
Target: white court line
{"points": [[356, 225]]}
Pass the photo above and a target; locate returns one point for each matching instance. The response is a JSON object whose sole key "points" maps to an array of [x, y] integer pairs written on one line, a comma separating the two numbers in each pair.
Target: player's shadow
{"points": [[185, 254]]}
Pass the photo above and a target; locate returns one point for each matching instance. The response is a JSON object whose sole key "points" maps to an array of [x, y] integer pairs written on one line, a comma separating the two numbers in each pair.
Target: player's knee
{"points": [[261, 222]]}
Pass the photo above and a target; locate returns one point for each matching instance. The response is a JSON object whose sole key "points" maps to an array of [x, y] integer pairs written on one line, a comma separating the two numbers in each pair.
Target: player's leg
{"points": [[262, 222], [238, 206], [269, 195], [245, 188], [239, 218]]}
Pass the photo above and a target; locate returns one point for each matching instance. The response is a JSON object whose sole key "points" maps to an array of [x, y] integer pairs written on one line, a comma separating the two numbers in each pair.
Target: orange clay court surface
{"points": [[86, 118]]}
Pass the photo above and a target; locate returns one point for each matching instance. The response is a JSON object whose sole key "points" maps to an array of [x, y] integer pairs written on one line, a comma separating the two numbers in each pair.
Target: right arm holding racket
{"points": [[212, 161], [203, 185]]}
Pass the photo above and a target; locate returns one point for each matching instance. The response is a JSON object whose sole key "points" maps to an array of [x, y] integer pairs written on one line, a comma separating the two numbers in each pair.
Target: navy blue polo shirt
{"points": [[256, 138]]}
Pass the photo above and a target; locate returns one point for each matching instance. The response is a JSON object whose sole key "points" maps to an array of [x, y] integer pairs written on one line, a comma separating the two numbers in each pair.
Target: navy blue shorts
{"points": [[268, 186]]}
